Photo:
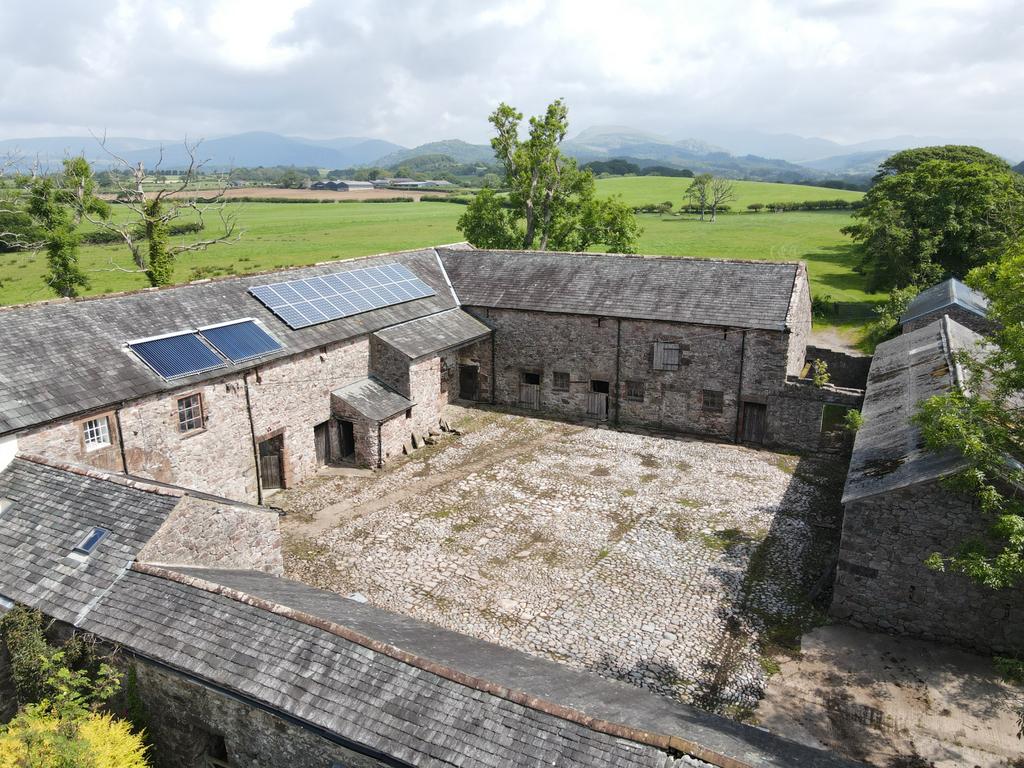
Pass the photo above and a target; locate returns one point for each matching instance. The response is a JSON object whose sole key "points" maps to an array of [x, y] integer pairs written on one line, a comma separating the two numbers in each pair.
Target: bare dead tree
{"points": [[145, 232], [720, 192]]}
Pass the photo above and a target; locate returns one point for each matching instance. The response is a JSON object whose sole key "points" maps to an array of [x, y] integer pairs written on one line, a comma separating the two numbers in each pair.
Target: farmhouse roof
{"points": [[51, 511], [744, 294], [373, 399], [386, 685], [948, 293], [434, 333], [888, 452], [65, 357]]}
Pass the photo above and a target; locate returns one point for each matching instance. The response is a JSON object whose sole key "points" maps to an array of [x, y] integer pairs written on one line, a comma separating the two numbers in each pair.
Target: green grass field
{"points": [[278, 235], [642, 190]]}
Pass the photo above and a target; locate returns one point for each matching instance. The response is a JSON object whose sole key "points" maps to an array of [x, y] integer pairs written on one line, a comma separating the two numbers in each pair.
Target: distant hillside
{"points": [[1019, 167], [458, 150], [863, 163]]}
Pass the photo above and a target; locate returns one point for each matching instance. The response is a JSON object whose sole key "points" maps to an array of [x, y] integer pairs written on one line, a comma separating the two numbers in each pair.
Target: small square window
{"points": [[96, 432], [666, 356], [190, 413], [712, 401], [560, 381], [635, 391]]}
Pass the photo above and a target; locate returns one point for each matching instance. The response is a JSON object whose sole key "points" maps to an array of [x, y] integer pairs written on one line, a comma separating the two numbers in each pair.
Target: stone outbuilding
{"points": [[898, 511], [949, 298], [234, 665]]}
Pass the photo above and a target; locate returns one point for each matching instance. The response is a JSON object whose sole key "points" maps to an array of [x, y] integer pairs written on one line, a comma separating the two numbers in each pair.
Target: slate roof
{"points": [[434, 333], [888, 452], [741, 294], [373, 399], [52, 512], [66, 357], [948, 293]]}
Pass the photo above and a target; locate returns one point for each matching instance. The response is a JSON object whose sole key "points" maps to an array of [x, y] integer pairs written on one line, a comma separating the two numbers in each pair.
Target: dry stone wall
{"points": [[882, 582], [967, 319]]}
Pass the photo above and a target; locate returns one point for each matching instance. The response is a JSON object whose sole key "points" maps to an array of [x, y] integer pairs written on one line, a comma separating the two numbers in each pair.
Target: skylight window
{"points": [[88, 545]]}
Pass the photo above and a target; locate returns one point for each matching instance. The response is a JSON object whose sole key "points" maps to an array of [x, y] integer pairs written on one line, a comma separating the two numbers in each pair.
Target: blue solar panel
{"points": [[241, 341], [301, 303], [176, 356]]}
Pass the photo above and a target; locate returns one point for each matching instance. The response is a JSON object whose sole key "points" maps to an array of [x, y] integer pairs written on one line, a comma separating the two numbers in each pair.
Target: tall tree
{"points": [[721, 192], [909, 159], [699, 192], [56, 205], [551, 202], [932, 218], [154, 212]]}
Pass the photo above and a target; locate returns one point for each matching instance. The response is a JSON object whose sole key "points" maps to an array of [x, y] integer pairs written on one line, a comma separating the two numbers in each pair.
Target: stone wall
{"points": [[188, 722], [8, 695], [389, 365], [796, 411], [478, 355], [206, 534], [66, 441], [800, 320], [846, 370], [882, 582], [620, 352], [961, 315]]}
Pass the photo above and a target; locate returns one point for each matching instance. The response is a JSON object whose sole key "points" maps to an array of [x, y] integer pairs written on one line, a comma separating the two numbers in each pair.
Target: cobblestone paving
{"points": [[662, 562]]}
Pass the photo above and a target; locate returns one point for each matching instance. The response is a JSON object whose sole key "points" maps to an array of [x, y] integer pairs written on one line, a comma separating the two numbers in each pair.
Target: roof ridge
{"points": [[619, 730], [98, 474], [634, 256]]}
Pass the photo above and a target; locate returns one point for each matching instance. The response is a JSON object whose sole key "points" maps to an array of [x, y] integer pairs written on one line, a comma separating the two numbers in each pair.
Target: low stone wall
{"points": [[961, 315], [882, 582], [796, 412], [189, 722], [847, 371], [205, 534]]}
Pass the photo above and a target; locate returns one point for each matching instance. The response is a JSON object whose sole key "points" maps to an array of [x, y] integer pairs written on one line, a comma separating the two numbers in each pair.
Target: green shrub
{"points": [[853, 420]]}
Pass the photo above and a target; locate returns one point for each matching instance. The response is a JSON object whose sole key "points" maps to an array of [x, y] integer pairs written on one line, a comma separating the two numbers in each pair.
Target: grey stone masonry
{"points": [[967, 318], [882, 581]]}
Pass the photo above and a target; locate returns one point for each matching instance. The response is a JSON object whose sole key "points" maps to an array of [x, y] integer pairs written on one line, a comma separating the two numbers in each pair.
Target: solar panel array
{"points": [[301, 303], [240, 341], [192, 352]]}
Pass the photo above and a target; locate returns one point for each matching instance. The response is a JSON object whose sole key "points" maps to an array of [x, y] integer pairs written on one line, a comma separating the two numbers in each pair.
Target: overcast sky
{"points": [[411, 72]]}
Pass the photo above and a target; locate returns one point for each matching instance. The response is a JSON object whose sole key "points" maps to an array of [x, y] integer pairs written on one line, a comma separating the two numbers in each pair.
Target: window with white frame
{"points": [[96, 432], [666, 356], [190, 413]]}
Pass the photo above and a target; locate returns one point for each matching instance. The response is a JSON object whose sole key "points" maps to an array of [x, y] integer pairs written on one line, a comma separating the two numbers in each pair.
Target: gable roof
{"points": [[433, 333], [743, 294], [52, 511], [948, 293], [66, 357], [888, 452]]}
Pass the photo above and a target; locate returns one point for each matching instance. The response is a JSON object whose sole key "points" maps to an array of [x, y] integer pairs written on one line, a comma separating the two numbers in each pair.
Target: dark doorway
{"points": [[596, 385], [272, 463], [321, 439], [755, 419], [469, 382], [346, 440]]}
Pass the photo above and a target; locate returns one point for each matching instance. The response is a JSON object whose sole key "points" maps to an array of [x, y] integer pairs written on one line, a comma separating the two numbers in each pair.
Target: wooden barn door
{"points": [[755, 422], [272, 463], [320, 437]]}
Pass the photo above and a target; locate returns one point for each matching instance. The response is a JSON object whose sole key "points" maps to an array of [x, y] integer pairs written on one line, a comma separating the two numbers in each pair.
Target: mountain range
{"points": [[740, 154]]}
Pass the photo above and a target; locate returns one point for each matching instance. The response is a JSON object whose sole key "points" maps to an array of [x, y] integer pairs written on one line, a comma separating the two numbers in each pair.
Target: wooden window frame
{"points": [[555, 378], [717, 401], [631, 388], [102, 429], [184, 422], [663, 350]]}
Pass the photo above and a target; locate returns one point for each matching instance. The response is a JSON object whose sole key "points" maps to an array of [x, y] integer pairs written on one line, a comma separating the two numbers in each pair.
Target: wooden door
{"points": [[320, 439], [597, 405], [272, 463], [469, 382], [755, 421]]}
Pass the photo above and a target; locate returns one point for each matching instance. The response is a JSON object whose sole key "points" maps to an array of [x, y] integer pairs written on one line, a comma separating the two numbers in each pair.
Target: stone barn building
{"points": [[950, 297], [236, 666], [898, 511], [242, 385]]}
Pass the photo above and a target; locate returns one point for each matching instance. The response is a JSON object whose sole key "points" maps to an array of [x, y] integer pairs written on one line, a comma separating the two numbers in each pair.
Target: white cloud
{"points": [[432, 69]]}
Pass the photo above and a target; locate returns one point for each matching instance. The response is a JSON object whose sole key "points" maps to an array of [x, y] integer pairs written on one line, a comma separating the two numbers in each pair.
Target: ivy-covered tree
{"points": [[936, 212], [551, 203]]}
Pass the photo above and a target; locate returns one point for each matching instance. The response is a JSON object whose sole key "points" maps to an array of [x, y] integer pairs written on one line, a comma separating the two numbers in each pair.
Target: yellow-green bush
{"points": [[38, 738]]}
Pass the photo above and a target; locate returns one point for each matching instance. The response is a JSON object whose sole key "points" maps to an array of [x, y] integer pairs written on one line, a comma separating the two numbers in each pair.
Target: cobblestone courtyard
{"points": [[678, 565]]}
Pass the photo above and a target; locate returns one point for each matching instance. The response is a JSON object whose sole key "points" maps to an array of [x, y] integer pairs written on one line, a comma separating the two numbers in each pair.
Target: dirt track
{"points": [[311, 195]]}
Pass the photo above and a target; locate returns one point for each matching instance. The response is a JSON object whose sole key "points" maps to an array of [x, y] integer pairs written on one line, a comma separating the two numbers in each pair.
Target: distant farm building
{"points": [[342, 185]]}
